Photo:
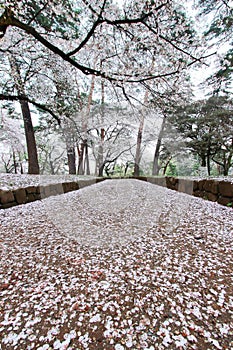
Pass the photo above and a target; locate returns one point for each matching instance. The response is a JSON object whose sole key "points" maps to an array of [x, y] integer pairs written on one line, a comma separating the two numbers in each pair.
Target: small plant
{"points": [[230, 204]]}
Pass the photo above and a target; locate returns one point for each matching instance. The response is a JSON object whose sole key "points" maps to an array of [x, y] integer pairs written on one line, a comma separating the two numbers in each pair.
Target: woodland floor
{"points": [[117, 265]]}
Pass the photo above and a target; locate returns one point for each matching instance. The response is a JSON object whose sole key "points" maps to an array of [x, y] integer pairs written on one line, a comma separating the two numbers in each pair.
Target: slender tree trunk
{"points": [[138, 147], [208, 163], [155, 170], [33, 164], [126, 168], [101, 148], [166, 166], [21, 163], [100, 157], [80, 158], [83, 154], [87, 160], [14, 162], [137, 158], [52, 170]]}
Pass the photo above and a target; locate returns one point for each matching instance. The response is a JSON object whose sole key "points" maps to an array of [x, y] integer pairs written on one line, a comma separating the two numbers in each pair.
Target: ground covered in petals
{"points": [[14, 181], [122, 264]]}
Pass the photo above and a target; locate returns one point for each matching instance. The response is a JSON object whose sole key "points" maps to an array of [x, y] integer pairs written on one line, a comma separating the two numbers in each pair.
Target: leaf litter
{"points": [[117, 266]]}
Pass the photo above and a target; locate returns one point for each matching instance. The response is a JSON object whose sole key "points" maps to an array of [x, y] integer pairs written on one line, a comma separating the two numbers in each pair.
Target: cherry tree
{"points": [[126, 38], [218, 15], [12, 149], [136, 46], [18, 74]]}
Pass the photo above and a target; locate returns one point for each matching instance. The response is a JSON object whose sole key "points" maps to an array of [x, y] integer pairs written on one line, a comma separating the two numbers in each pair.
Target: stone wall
{"points": [[219, 191], [11, 198]]}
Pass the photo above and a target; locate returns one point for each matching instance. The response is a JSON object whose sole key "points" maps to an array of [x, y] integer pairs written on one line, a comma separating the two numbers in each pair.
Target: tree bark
{"points": [[208, 163], [80, 158], [100, 158], [87, 160], [14, 161], [71, 160], [155, 170], [101, 170], [83, 154], [33, 164], [138, 148], [137, 158]]}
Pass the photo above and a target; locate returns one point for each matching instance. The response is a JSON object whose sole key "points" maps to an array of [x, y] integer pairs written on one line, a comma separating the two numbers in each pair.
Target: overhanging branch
{"points": [[8, 19], [26, 99]]}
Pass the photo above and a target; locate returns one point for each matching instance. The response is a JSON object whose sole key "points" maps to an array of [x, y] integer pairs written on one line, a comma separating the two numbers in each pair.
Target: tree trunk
{"points": [[87, 160], [14, 161], [155, 170], [138, 148], [101, 170], [208, 163], [71, 160], [166, 166], [80, 159], [33, 164], [126, 168], [137, 158], [100, 156], [203, 160], [83, 163]]}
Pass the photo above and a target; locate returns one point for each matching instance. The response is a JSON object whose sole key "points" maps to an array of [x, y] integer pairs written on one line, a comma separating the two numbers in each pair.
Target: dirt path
{"points": [[117, 265]]}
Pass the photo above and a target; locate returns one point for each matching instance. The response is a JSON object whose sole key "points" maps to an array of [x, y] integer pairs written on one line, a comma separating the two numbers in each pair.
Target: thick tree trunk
{"points": [[155, 170], [101, 170], [33, 164]]}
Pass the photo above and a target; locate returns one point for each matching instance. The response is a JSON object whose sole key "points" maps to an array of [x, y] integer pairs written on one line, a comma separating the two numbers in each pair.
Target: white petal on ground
{"points": [[86, 271]]}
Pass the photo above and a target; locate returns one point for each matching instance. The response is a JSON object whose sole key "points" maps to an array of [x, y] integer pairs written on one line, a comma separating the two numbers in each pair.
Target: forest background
{"points": [[116, 87]]}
